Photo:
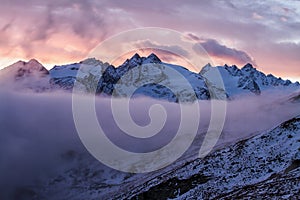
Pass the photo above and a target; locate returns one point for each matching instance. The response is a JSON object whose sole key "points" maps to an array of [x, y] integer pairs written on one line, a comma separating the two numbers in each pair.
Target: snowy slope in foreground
{"points": [[266, 165]]}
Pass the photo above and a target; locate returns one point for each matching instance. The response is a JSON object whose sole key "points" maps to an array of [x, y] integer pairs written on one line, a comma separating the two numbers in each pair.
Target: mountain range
{"points": [[148, 75]]}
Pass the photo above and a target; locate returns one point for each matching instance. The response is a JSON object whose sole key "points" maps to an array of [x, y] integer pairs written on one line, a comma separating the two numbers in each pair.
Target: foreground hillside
{"points": [[265, 166]]}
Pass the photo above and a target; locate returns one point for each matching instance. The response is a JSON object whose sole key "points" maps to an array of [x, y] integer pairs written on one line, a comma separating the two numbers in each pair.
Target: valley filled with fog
{"points": [[38, 134]]}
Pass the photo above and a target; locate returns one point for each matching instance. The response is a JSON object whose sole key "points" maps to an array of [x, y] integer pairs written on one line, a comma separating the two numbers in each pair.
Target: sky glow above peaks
{"points": [[265, 33]]}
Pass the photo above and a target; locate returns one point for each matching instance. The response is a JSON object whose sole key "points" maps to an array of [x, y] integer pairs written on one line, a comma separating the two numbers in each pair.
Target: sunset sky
{"points": [[265, 33]]}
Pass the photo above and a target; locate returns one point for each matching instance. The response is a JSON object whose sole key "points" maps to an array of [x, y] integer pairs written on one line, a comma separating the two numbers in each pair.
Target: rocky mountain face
{"points": [[147, 76], [65, 76], [245, 80]]}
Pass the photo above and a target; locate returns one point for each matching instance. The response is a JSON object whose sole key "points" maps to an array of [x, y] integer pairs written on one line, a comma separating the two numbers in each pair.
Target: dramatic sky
{"points": [[265, 33]]}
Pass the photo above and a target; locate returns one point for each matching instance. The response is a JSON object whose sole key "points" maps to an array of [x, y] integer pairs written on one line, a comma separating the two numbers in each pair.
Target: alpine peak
{"points": [[208, 65], [135, 56], [153, 58], [248, 66], [91, 61], [33, 61]]}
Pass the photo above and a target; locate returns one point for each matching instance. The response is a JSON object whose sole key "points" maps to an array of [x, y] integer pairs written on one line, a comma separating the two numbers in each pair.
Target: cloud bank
{"points": [[38, 136]]}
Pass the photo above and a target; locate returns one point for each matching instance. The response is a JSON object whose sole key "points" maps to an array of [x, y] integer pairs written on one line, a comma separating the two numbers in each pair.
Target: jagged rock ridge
{"points": [[246, 79], [149, 76]]}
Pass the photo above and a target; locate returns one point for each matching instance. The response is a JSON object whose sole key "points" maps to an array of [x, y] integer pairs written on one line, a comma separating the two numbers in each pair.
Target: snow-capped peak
{"points": [[91, 61], [34, 62], [135, 56], [208, 65], [21, 69], [136, 59], [248, 67], [206, 68], [152, 58], [248, 78], [30, 75]]}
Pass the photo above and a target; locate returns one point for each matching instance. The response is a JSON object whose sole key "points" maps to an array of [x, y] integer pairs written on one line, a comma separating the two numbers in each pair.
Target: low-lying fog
{"points": [[38, 128]]}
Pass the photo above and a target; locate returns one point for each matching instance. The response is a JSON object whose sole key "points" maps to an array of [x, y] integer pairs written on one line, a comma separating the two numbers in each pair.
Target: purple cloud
{"points": [[215, 49], [68, 29]]}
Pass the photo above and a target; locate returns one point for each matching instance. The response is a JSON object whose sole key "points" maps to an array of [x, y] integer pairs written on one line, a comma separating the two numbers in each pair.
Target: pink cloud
{"points": [[29, 29]]}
